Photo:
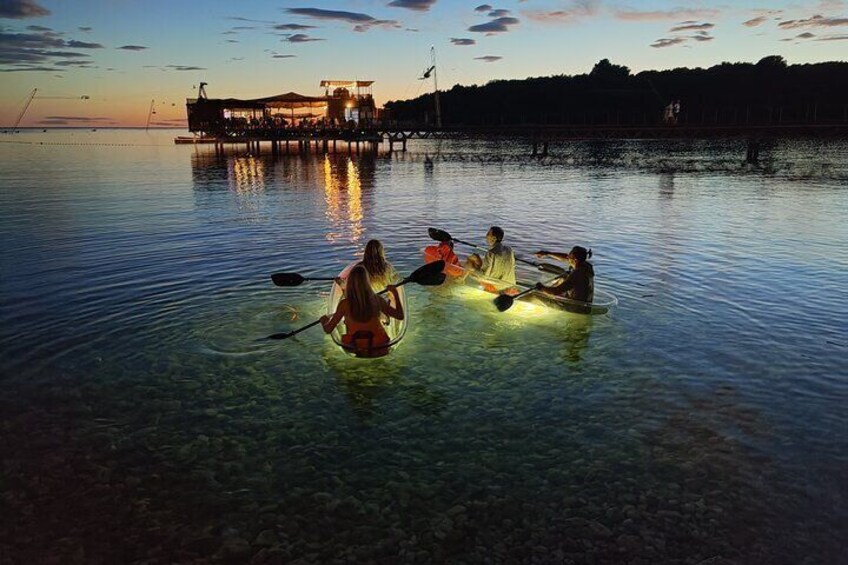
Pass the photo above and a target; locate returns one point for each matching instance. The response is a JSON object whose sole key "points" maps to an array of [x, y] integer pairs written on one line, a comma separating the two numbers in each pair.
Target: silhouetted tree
{"points": [[769, 91], [605, 69]]}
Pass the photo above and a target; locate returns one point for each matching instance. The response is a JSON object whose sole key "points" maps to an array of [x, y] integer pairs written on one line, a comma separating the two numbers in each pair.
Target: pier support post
{"points": [[752, 155]]}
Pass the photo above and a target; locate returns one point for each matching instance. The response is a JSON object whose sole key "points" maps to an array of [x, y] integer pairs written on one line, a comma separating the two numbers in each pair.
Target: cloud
{"points": [[30, 69], [805, 35], [702, 37], [361, 22], [668, 42], [292, 27], [463, 41], [754, 22], [184, 68], [281, 56], [22, 9], [833, 38], [417, 5], [231, 40], [661, 15], [499, 25], [78, 119], [498, 13], [37, 51], [301, 38], [75, 63], [85, 29], [241, 19], [692, 26], [576, 10], [132, 47], [39, 28], [488, 58], [483, 8], [83, 45], [815, 21]]}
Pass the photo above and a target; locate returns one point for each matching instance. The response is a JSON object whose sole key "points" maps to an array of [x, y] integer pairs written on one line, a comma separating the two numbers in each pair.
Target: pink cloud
{"points": [[662, 15]]}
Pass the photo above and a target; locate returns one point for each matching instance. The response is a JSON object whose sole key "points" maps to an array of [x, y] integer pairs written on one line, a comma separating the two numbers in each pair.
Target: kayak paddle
{"points": [[443, 236], [426, 275], [295, 279], [504, 302]]}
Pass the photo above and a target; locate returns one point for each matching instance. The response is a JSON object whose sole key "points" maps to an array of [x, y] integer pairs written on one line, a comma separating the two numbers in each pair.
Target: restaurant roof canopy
{"points": [[292, 100]]}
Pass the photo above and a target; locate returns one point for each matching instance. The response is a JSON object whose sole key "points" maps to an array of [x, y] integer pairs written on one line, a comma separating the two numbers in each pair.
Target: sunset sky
{"points": [[124, 53]]}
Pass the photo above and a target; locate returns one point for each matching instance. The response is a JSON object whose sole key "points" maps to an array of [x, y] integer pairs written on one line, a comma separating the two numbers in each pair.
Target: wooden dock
{"points": [[320, 140]]}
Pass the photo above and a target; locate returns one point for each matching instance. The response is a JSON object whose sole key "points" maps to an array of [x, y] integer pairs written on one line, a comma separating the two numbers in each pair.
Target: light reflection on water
{"points": [[705, 417]]}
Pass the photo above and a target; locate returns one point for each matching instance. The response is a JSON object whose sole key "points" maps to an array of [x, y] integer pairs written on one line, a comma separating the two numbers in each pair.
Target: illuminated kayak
{"points": [[459, 273], [360, 347], [602, 303]]}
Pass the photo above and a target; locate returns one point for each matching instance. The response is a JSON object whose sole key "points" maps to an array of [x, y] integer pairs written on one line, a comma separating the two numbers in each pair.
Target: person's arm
{"points": [[567, 284], [552, 254], [329, 324], [395, 311]]}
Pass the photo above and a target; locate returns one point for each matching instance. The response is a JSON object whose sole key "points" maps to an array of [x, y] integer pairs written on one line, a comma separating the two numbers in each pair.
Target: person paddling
{"points": [[362, 311], [380, 271], [579, 284], [498, 262]]}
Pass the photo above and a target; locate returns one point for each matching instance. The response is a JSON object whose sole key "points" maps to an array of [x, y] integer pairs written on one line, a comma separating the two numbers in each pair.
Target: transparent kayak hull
{"points": [[396, 329], [602, 303]]}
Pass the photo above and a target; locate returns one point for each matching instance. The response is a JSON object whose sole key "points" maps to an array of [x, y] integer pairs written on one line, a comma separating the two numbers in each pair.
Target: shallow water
{"points": [[142, 420]]}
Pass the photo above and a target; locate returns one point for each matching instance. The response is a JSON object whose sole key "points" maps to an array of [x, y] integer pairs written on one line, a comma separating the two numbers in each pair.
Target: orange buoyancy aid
{"points": [[366, 339]]}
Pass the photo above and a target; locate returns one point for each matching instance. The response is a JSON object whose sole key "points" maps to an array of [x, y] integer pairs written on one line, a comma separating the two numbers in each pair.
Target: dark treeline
{"points": [[768, 92]]}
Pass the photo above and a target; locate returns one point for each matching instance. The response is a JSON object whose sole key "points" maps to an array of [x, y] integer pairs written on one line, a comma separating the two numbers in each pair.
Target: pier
{"points": [[346, 119]]}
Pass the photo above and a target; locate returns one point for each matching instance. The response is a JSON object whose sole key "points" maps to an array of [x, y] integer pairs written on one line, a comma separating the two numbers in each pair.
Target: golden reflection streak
{"points": [[354, 201], [247, 175], [344, 201]]}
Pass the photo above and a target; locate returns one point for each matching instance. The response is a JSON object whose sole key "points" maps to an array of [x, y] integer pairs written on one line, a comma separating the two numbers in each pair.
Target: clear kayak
{"points": [[458, 272], [602, 303], [360, 347]]}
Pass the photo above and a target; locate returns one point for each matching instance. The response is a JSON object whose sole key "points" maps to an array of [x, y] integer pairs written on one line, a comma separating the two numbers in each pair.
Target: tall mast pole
{"points": [[26, 107], [436, 87], [149, 113]]}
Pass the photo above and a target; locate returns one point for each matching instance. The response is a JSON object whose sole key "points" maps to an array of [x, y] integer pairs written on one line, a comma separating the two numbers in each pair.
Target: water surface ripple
{"points": [[703, 421]]}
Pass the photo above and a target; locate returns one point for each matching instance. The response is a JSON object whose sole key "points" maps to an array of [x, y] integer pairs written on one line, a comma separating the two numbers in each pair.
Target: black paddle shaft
{"points": [[429, 274]]}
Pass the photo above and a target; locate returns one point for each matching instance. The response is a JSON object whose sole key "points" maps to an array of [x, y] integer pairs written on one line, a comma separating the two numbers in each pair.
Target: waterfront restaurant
{"points": [[344, 104]]}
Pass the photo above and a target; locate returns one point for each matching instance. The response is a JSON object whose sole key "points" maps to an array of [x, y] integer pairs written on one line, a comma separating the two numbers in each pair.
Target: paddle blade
{"points": [[427, 272], [436, 280], [282, 335], [287, 279], [504, 302], [439, 235]]}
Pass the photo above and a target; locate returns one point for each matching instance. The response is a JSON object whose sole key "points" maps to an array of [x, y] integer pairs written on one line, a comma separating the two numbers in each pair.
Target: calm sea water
{"points": [[703, 421]]}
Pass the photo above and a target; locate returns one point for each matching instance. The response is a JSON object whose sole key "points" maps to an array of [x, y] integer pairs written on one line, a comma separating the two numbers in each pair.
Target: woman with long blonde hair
{"points": [[380, 271], [362, 311]]}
